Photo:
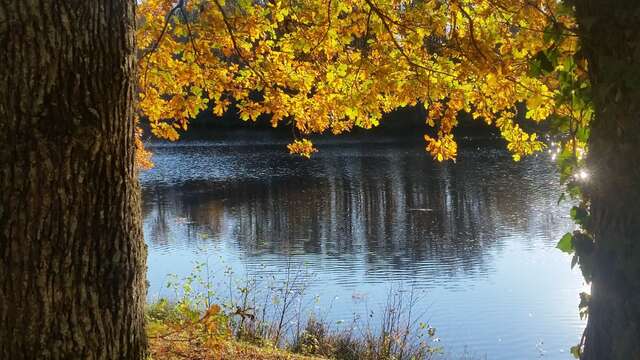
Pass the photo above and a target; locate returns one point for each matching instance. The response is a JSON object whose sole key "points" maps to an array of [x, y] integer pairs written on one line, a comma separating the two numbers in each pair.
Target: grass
{"points": [[177, 332], [161, 349], [268, 321]]}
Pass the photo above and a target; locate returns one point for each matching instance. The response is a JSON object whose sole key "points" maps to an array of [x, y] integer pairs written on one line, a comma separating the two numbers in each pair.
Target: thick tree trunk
{"points": [[72, 257], [611, 40]]}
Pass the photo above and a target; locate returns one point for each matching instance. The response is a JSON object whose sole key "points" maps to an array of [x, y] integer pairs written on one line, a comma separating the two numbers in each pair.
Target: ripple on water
{"points": [[475, 238]]}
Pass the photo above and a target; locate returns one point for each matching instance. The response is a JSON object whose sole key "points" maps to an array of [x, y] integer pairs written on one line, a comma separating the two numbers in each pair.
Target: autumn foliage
{"points": [[332, 65]]}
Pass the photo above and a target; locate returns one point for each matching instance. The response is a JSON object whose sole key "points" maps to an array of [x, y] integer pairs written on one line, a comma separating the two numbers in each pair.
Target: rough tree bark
{"points": [[611, 40], [72, 257]]}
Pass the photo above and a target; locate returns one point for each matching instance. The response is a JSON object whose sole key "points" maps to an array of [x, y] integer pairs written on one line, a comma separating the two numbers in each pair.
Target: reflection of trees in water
{"points": [[165, 208], [157, 215], [394, 209]]}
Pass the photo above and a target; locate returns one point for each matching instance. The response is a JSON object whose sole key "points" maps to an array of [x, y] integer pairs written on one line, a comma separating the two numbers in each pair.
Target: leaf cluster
{"points": [[332, 65]]}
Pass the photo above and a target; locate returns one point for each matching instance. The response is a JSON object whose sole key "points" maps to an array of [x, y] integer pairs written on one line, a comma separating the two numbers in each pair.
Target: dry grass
{"points": [[178, 332], [269, 324], [175, 349]]}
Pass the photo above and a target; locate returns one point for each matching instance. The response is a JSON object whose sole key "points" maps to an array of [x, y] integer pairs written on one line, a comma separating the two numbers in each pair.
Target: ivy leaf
{"points": [[579, 215], [566, 243]]}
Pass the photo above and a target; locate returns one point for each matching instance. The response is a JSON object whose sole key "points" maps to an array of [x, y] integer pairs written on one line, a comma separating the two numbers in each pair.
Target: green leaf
{"points": [[582, 134], [583, 244], [566, 161], [566, 244], [579, 215]]}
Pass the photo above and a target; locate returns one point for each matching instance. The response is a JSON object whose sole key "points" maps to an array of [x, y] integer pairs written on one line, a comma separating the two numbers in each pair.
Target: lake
{"points": [[476, 238]]}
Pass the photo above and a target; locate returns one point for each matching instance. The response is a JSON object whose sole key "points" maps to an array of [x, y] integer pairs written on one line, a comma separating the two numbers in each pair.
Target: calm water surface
{"points": [[476, 237]]}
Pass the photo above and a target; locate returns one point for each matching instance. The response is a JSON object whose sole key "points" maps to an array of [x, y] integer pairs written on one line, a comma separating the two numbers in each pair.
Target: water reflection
{"points": [[362, 213], [394, 205]]}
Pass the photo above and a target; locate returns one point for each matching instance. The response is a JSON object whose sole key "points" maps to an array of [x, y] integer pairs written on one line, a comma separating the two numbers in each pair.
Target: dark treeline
{"points": [[408, 122]]}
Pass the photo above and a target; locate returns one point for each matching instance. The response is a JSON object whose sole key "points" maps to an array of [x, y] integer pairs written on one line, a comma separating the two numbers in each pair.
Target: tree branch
{"points": [[412, 63], [235, 44]]}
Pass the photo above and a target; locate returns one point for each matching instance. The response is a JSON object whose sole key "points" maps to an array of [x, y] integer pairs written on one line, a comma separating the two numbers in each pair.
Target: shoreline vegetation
{"points": [[268, 318]]}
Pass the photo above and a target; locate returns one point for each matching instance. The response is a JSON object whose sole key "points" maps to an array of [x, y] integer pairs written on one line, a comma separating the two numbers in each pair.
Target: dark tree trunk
{"points": [[610, 33], [72, 257]]}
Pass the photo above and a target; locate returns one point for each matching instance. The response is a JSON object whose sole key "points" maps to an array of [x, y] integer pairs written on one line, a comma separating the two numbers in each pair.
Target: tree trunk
{"points": [[611, 41], [72, 257]]}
